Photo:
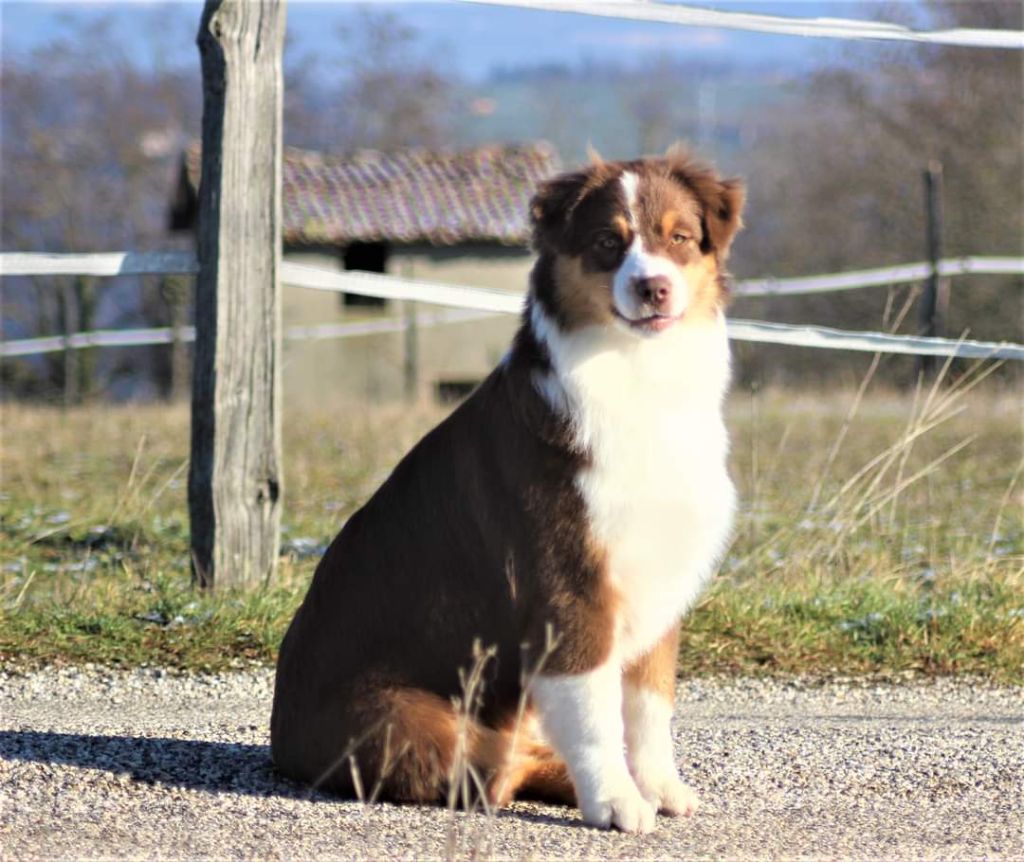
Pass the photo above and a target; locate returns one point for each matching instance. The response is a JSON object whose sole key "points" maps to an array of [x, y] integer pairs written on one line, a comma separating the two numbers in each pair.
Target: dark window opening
{"points": [[453, 391], [365, 257]]}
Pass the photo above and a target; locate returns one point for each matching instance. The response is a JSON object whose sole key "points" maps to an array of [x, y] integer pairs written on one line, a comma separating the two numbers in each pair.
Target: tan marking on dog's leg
{"points": [[548, 781], [648, 701], [534, 771], [656, 669]]}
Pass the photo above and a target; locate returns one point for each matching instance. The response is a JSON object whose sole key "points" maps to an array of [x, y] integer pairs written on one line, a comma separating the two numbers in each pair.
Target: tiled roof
{"points": [[408, 196]]}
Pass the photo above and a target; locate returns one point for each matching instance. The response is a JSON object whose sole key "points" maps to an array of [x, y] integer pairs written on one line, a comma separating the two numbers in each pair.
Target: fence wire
{"points": [[829, 28], [483, 301]]}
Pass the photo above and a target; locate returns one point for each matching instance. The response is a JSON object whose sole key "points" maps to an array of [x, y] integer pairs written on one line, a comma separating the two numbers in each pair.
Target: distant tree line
{"points": [[89, 142], [833, 160], [836, 184]]}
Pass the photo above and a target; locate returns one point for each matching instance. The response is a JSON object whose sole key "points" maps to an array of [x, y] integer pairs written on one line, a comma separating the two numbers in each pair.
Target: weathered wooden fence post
{"points": [[412, 352], [935, 299], [175, 290], [234, 485], [68, 309]]}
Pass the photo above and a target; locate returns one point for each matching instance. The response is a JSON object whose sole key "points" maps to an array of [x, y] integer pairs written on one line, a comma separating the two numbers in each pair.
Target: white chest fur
{"points": [[657, 492]]}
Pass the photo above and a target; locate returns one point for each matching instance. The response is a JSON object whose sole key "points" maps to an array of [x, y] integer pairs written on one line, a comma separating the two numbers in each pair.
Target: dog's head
{"points": [[640, 245]]}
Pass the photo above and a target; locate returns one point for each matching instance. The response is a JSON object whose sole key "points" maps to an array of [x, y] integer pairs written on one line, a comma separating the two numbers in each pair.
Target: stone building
{"points": [[458, 218]]}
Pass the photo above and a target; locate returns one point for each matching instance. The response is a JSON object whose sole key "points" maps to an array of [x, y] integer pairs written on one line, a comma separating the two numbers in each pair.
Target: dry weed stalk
{"points": [[859, 395], [464, 781], [861, 497], [477, 842], [881, 481], [128, 490], [1003, 503], [347, 755]]}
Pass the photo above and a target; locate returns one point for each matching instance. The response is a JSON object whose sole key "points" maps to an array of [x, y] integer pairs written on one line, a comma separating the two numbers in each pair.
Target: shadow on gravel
{"points": [[218, 767]]}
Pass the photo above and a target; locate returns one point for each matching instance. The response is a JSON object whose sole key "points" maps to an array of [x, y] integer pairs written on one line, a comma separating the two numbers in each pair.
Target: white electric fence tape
{"points": [[830, 28], [479, 302], [184, 263]]}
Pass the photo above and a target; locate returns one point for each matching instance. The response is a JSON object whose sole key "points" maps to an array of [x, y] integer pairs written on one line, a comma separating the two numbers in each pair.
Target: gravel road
{"points": [[148, 764]]}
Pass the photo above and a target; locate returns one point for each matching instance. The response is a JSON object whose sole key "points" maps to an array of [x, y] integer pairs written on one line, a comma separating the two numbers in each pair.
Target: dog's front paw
{"points": [[667, 793], [625, 809], [677, 799]]}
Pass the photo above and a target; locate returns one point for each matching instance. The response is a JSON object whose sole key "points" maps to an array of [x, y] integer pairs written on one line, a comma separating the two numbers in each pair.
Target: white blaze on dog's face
{"points": [[635, 245], [650, 290]]}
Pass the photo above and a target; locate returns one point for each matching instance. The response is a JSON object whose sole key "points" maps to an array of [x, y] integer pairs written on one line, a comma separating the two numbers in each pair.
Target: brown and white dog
{"points": [[581, 490]]}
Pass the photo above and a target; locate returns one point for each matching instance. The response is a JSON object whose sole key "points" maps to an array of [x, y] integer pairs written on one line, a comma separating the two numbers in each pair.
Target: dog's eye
{"points": [[679, 238], [608, 242]]}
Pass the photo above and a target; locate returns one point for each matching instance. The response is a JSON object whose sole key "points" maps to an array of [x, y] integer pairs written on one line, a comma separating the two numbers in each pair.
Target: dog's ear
{"points": [[723, 214], [552, 207], [721, 201]]}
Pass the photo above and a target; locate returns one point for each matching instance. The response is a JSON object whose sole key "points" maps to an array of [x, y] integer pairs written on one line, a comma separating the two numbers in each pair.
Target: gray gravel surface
{"points": [[148, 764]]}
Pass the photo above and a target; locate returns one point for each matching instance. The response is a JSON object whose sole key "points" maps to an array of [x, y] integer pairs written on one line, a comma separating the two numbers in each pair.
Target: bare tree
{"points": [[89, 141], [393, 96], [836, 182], [655, 97]]}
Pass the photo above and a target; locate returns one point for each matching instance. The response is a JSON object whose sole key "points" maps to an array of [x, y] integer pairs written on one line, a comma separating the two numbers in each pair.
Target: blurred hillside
{"points": [[629, 110], [832, 154], [836, 183]]}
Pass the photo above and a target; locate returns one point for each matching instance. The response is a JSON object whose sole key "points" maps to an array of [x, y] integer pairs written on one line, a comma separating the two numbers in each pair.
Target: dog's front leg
{"points": [[648, 699], [581, 715]]}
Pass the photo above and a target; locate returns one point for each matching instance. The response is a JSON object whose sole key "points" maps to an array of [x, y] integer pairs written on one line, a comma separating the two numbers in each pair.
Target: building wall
{"points": [[372, 368]]}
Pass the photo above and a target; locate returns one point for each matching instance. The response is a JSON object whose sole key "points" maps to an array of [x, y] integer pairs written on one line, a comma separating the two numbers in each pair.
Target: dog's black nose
{"points": [[655, 290]]}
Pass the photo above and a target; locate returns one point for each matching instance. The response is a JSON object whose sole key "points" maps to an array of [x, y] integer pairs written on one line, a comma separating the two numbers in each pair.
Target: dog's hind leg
{"points": [[541, 776], [410, 745], [416, 747], [532, 770]]}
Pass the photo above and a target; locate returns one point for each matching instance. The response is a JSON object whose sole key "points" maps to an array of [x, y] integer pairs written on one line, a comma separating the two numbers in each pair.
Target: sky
{"points": [[468, 39]]}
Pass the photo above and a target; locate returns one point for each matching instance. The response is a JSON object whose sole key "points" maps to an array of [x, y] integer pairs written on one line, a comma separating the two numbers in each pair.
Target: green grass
{"points": [[877, 535]]}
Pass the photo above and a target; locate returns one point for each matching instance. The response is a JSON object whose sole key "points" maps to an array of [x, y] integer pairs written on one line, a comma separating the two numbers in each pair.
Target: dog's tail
{"points": [[419, 748]]}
